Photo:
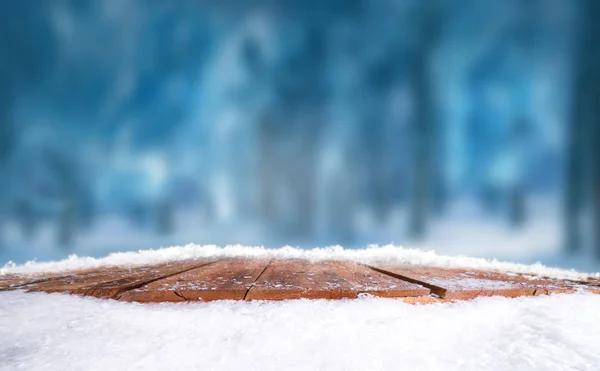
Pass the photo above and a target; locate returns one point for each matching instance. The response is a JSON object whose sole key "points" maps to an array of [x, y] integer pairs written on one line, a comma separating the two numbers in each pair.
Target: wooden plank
{"points": [[253, 279], [367, 281], [82, 279], [462, 284], [593, 286], [51, 280], [296, 279], [10, 281], [227, 279], [114, 287], [18, 281]]}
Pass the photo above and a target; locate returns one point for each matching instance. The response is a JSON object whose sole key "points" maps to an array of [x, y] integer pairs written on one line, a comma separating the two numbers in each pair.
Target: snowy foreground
{"points": [[61, 332], [41, 331]]}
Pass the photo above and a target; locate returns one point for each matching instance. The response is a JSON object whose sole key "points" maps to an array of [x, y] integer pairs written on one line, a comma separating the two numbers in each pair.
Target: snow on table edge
{"points": [[372, 254]]}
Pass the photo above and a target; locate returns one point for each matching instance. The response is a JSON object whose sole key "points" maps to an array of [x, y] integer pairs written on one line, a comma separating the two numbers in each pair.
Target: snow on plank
{"points": [[255, 279], [365, 280], [17, 281], [53, 281], [227, 279], [593, 286], [303, 279], [73, 281], [463, 284], [113, 285], [10, 281]]}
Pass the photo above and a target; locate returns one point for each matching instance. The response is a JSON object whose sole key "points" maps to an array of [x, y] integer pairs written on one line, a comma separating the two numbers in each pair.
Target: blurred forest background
{"points": [[468, 126]]}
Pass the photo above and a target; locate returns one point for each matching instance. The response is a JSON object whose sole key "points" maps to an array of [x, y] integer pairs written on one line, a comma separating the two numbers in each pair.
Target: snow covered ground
{"points": [[61, 332]]}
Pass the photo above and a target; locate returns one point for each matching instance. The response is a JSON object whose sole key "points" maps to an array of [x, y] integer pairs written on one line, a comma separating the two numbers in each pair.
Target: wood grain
{"points": [[303, 279], [462, 284], [261, 279], [227, 279], [19, 281], [117, 285]]}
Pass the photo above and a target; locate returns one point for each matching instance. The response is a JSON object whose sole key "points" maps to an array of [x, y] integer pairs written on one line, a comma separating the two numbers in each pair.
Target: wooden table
{"points": [[266, 279]]}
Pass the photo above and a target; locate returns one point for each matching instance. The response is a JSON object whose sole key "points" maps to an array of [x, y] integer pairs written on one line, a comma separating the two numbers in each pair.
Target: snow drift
{"points": [[62, 332], [388, 254]]}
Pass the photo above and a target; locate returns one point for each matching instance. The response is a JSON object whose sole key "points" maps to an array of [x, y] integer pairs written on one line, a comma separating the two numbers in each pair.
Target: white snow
{"points": [[60, 332], [373, 254]]}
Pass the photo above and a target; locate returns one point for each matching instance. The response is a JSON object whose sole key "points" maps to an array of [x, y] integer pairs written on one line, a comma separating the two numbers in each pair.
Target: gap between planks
{"points": [[147, 282], [257, 278], [116, 288], [437, 290]]}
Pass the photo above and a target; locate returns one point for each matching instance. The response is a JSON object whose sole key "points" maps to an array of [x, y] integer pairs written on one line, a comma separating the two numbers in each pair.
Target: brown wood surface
{"points": [[227, 279], [86, 279], [256, 279], [462, 284], [593, 286], [18, 281], [367, 281], [50, 280], [296, 279], [9, 281], [116, 286]]}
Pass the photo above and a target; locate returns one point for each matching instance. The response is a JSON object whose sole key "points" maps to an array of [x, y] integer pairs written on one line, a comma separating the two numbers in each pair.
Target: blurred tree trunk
{"points": [[5, 143], [574, 172], [310, 126], [517, 192], [595, 152], [164, 217], [66, 224], [526, 33], [424, 120], [584, 133], [517, 211], [289, 136], [27, 217], [421, 151], [7, 139], [305, 174], [374, 164], [267, 168], [593, 123], [440, 191]]}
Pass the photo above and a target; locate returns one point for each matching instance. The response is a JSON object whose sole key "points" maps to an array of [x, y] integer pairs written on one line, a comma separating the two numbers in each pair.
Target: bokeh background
{"points": [[467, 126]]}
